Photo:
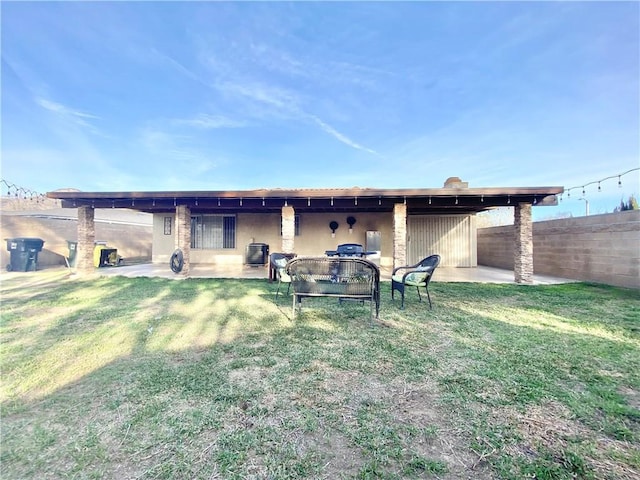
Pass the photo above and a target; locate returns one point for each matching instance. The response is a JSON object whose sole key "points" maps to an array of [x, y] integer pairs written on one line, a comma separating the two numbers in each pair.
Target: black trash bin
{"points": [[24, 253], [73, 253]]}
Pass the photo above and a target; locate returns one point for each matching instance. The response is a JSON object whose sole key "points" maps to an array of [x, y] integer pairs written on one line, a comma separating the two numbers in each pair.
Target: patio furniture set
{"points": [[346, 274]]}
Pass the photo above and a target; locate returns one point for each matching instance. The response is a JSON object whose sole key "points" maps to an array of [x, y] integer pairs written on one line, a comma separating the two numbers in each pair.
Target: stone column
{"points": [[288, 229], [523, 251], [183, 236], [86, 241], [399, 235]]}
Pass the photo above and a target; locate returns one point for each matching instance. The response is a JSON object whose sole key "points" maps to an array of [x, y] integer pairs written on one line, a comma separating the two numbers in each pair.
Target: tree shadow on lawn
{"points": [[68, 329], [147, 378]]}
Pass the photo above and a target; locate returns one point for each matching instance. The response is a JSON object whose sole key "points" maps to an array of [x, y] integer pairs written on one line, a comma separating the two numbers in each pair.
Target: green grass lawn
{"points": [[123, 378]]}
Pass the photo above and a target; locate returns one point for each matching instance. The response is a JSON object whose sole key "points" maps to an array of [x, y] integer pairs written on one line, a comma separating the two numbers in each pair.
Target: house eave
{"points": [[429, 200]]}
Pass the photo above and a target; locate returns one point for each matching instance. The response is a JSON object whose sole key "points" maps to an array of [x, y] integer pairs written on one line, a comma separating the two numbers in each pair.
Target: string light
{"points": [[583, 187], [21, 192]]}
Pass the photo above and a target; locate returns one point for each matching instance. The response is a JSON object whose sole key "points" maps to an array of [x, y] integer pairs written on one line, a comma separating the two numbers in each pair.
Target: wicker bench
{"points": [[343, 278]]}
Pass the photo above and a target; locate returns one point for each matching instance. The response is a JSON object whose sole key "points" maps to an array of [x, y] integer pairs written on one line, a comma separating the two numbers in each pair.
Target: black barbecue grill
{"points": [[348, 250]]}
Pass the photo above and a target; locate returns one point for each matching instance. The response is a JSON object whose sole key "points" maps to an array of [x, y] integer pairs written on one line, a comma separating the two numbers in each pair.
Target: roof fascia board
{"points": [[314, 193]]}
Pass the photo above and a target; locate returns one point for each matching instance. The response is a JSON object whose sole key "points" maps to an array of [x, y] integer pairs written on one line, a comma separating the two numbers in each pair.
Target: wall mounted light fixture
{"points": [[333, 225], [351, 221]]}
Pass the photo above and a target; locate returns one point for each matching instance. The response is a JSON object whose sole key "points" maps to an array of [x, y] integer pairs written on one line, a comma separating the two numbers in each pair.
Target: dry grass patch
{"points": [[157, 379], [552, 427]]}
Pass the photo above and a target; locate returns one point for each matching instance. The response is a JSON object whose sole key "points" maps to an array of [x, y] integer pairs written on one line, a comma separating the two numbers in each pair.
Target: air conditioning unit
{"points": [[257, 254]]}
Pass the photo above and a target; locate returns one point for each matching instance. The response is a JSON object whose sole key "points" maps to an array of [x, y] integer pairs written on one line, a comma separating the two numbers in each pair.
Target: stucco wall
{"points": [[132, 241], [598, 248], [314, 239]]}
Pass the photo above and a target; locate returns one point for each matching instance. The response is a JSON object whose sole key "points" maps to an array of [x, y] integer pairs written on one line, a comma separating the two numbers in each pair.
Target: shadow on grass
{"points": [[152, 378], [273, 398]]}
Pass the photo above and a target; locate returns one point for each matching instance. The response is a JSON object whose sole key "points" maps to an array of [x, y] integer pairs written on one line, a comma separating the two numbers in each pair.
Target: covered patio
{"points": [[479, 274], [406, 218]]}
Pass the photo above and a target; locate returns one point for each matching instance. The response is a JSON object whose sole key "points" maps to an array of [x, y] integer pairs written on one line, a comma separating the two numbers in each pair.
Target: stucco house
{"points": [[401, 225]]}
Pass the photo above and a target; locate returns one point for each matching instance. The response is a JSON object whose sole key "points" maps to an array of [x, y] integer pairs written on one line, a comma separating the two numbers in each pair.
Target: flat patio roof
{"points": [[422, 200]]}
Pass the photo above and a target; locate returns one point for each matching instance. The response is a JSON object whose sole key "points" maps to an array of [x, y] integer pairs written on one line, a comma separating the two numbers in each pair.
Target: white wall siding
{"points": [[453, 237]]}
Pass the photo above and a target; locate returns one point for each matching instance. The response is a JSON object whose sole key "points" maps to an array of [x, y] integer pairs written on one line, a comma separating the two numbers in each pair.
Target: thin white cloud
{"points": [[280, 61], [281, 99], [70, 114], [61, 109], [176, 65], [169, 149], [341, 137], [286, 102], [158, 140], [205, 121]]}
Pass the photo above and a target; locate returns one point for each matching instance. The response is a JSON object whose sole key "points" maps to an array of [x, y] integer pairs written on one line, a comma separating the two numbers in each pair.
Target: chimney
{"points": [[455, 182]]}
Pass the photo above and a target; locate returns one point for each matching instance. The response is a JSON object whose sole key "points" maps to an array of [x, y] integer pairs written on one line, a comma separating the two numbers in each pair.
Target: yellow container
{"points": [[104, 256], [97, 252]]}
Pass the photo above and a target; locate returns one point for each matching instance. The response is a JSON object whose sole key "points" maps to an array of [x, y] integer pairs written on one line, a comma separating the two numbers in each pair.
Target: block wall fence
{"points": [[133, 242], [599, 248]]}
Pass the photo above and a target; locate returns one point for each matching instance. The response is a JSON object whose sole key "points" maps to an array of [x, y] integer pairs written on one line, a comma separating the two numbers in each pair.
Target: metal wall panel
{"points": [[453, 237]]}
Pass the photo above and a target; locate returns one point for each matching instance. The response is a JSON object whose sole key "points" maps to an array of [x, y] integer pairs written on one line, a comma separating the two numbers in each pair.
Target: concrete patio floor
{"points": [[479, 274]]}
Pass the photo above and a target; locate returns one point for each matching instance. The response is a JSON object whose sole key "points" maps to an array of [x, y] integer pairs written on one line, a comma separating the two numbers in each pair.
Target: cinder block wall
{"points": [[132, 241], [598, 248]]}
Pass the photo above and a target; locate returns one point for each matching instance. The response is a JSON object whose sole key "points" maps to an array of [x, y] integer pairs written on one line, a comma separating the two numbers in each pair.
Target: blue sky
{"points": [[113, 96]]}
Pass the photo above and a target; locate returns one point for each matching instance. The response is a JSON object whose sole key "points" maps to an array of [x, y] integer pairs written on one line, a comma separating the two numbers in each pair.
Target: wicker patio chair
{"points": [[279, 264], [418, 275]]}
